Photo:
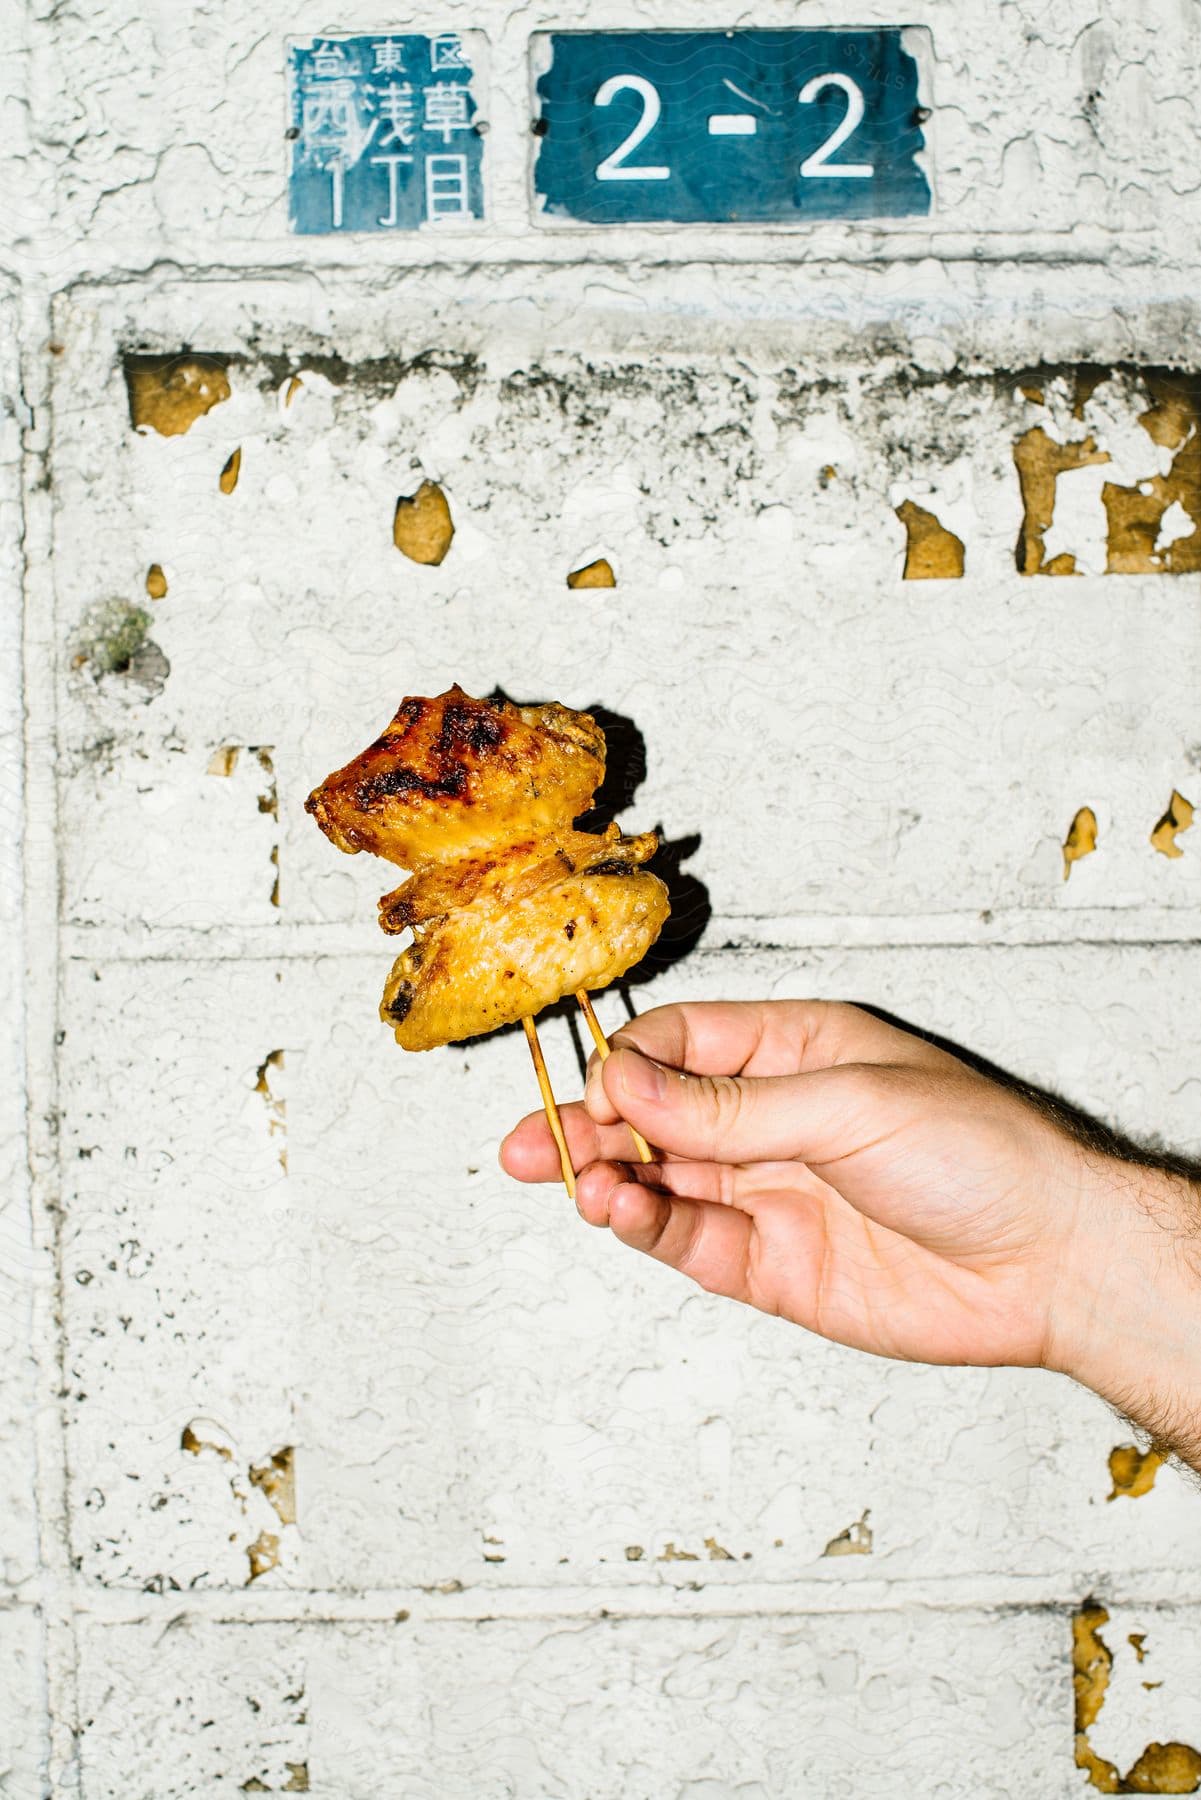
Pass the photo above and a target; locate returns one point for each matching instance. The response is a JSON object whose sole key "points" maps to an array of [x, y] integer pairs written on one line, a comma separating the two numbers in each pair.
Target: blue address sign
{"points": [[384, 131], [728, 127]]}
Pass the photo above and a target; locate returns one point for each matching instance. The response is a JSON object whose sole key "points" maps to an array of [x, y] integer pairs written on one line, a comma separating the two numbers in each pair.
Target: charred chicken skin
{"points": [[510, 906]]}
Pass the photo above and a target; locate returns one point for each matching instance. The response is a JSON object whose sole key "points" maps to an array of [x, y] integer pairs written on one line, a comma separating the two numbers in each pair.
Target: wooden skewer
{"points": [[645, 1152], [549, 1106]]}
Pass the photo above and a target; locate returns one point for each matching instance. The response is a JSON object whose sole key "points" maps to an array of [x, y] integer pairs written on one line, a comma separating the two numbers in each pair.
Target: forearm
{"points": [[1128, 1303]]}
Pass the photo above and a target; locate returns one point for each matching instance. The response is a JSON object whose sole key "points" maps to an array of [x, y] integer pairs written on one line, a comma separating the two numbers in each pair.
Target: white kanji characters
{"points": [[330, 121], [393, 164], [446, 187], [398, 108], [389, 57], [330, 61], [446, 52], [446, 108]]}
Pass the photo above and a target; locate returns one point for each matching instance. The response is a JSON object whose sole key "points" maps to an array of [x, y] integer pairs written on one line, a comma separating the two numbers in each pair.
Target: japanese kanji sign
{"points": [[384, 132], [733, 127]]}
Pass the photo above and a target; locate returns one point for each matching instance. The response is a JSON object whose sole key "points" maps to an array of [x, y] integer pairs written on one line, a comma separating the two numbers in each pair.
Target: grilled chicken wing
{"points": [[511, 874], [510, 907], [456, 777], [491, 964]]}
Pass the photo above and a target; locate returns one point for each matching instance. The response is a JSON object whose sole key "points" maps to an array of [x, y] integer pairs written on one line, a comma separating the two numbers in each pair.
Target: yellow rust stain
{"points": [[932, 553], [1179, 817], [1081, 839], [1133, 1472], [277, 1480], [1040, 462], [856, 1540], [1135, 514], [168, 394], [262, 1555], [156, 582], [227, 481], [598, 574], [423, 529]]}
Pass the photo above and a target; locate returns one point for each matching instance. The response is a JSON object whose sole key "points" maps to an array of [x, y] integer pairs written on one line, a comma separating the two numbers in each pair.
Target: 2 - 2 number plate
{"points": [[729, 126]]}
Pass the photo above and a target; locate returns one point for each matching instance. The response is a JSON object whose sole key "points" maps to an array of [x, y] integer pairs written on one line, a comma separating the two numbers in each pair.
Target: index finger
{"points": [[768, 1037]]}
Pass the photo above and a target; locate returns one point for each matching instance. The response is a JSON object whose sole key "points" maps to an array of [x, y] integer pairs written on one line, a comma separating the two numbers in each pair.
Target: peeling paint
{"points": [[1040, 462], [277, 1480], [1081, 839], [168, 394], [277, 1122], [598, 574], [227, 481], [262, 1555], [1133, 1472], [1137, 515], [156, 582], [671, 1554], [932, 553], [1172, 1768], [1178, 817], [224, 760], [203, 1434], [856, 1540], [422, 528]]}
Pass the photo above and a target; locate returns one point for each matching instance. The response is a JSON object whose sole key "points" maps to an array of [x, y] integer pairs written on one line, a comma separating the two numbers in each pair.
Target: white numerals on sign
{"points": [[819, 163], [615, 167]]}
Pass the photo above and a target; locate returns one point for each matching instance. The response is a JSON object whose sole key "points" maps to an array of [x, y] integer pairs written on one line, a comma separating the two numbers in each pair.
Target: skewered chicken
{"points": [[510, 907]]}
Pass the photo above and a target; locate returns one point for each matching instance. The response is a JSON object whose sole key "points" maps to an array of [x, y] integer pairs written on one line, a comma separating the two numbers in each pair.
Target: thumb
{"points": [[738, 1118]]}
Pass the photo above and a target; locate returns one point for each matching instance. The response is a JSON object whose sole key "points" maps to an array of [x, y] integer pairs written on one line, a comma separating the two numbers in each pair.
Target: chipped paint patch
{"points": [[1081, 839], [422, 528], [1132, 1472], [156, 582], [856, 1540], [1178, 817], [262, 1555], [1171, 1768], [168, 394], [1155, 526], [1040, 461], [266, 1084], [932, 553], [204, 1434], [598, 574], [227, 481], [224, 760], [276, 1478]]}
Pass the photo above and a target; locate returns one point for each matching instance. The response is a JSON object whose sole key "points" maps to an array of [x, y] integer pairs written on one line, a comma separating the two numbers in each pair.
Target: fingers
{"points": [[701, 1238], [813, 1117], [529, 1152], [767, 1037]]}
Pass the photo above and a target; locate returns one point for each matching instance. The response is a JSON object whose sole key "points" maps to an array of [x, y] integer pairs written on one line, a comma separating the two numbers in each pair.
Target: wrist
{"points": [[1126, 1317]]}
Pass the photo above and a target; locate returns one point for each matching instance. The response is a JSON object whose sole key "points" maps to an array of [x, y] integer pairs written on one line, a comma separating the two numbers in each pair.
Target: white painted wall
{"points": [[489, 1408]]}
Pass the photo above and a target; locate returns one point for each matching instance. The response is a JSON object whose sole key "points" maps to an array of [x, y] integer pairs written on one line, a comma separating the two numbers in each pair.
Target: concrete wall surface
{"points": [[331, 1461]]}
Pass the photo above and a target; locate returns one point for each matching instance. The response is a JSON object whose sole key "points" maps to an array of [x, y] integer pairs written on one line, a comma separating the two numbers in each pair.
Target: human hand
{"points": [[850, 1176]]}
